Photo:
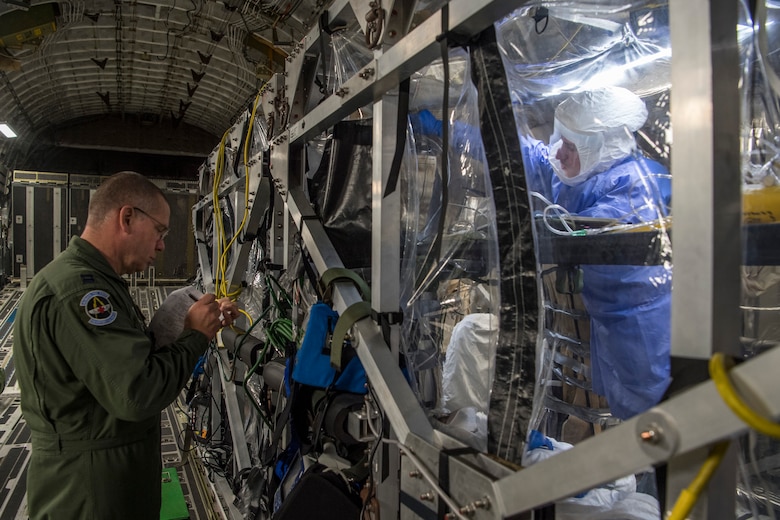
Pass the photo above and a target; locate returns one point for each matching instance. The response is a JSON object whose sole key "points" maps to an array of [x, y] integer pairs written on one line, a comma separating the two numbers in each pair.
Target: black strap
{"points": [[433, 255], [400, 137], [319, 410], [385, 320], [445, 127], [324, 23], [310, 274], [444, 473], [510, 400], [282, 420], [324, 29]]}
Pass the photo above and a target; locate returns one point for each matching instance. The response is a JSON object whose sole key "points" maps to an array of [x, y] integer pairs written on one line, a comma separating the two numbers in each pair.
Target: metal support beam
{"points": [[706, 176], [241, 457], [464, 18], [385, 267], [381, 366], [695, 419], [200, 210], [386, 210]]}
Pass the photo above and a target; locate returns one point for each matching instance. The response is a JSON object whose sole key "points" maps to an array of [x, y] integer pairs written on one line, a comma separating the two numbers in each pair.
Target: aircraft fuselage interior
{"points": [[494, 258]]}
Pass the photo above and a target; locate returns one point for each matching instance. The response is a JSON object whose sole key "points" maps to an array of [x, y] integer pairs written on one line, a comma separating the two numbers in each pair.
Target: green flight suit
{"points": [[92, 388]]}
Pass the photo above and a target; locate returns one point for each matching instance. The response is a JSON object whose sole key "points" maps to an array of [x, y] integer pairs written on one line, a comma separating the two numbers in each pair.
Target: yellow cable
{"points": [[689, 496], [720, 377], [223, 256], [219, 235], [248, 317]]}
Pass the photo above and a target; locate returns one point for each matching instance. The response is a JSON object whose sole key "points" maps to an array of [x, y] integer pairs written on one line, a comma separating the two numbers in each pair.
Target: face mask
{"points": [[558, 168], [588, 146]]}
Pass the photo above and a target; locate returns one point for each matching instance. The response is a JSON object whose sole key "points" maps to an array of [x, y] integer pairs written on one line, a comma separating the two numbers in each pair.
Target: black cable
{"points": [[183, 30], [372, 453], [445, 132], [541, 14]]}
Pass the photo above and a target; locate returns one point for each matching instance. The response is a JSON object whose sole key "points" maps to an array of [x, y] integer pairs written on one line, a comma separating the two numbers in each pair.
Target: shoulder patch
{"points": [[98, 307], [87, 278]]}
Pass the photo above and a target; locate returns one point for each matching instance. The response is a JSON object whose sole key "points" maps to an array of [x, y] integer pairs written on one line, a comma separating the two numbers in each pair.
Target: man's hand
{"points": [[205, 315], [229, 311]]}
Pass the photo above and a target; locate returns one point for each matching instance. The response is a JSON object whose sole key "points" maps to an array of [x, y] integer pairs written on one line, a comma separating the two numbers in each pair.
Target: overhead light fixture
{"points": [[7, 130]]}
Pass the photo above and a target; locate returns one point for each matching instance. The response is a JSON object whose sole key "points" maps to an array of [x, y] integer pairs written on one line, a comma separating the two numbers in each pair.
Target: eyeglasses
{"points": [[162, 229]]}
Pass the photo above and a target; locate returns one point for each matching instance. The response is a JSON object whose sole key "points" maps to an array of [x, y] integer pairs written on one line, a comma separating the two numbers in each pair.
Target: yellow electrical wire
{"points": [[223, 255], [248, 317], [689, 496], [222, 245], [219, 233], [720, 377], [246, 179]]}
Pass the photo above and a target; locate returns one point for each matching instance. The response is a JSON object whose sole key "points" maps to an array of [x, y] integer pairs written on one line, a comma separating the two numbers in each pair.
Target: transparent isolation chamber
{"points": [[449, 265], [591, 79], [590, 87], [450, 261]]}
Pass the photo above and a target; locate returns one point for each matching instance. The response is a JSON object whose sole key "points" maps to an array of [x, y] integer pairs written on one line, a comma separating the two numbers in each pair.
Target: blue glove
{"points": [[537, 439], [425, 123]]}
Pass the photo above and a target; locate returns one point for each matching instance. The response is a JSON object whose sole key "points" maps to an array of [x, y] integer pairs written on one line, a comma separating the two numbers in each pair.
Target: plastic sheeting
{"points": [[554, 50], [348, 55], [449, 256], [759, 37], [515, 376], [602, 244], [596, 304]]}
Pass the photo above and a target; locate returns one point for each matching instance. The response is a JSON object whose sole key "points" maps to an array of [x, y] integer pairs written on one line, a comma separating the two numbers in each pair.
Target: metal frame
{"points": [[707, 260], [705, 298]]}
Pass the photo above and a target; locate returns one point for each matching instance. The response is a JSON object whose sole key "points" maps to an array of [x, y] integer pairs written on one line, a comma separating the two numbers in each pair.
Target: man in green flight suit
{"points": [[92, 381]]}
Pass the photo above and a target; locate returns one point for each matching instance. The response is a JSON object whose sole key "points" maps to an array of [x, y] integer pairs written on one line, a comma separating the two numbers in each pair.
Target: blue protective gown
{"points": [[629, 306]]}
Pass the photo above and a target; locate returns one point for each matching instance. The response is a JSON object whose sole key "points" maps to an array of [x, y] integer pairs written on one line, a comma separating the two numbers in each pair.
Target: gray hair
{"points": [[123, 189]]}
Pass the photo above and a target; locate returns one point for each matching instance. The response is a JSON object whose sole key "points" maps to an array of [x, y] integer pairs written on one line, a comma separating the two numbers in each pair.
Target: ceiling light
{"points": [[7, 130]]}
